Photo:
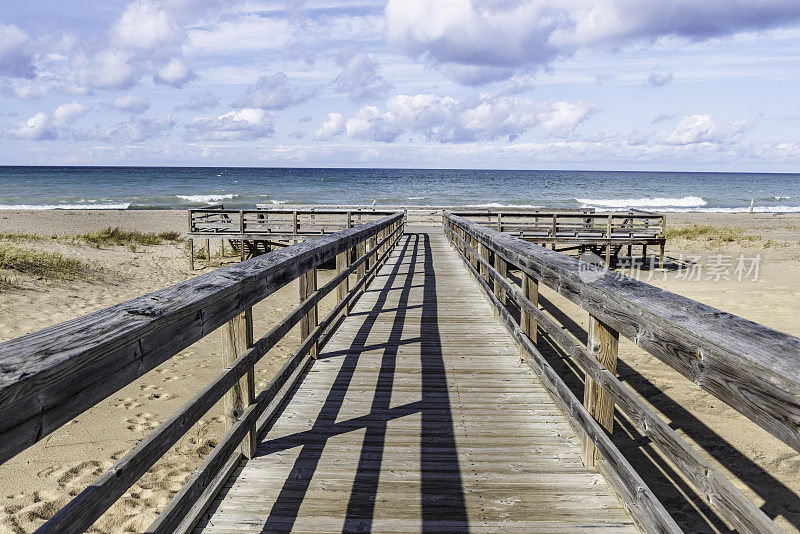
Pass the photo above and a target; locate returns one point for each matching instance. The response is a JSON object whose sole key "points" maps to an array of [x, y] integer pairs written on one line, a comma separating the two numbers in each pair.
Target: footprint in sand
{"points": [[127, 403], [149, 387], [142, 422], [160, 396]]}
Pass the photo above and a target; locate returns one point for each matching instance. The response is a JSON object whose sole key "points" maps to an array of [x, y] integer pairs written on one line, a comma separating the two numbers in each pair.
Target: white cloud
{"points": [[482, 118], [657, 79], [108, 69], [695, 129], [15, 56], [359, 77], [66, 114], [242, 125], [144, 27], [42, 126], [272, 92], [131, 104], [200, 102], [37, 128], [476, 41], [139, 130], [176, 72], [250, 32], [331, 128]]}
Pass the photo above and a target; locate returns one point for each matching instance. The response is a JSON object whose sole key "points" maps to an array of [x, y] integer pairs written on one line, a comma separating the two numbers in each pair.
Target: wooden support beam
{"points": [[501, 267], [208, 250], [530, 289], [342, 263], [308, 284], [236, 338], [603, 344], [191, 254]]}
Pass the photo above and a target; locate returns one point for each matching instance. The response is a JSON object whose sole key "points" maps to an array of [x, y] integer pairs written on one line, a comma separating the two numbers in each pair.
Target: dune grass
{"points": [[42, 265], [708, 233], [118, 236]]}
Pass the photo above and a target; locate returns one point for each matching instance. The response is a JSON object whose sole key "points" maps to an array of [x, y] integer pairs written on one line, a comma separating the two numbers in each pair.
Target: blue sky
{"points": [[545, 84]]}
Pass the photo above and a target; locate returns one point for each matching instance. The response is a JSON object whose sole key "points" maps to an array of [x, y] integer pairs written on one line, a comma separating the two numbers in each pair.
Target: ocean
{"points": [[235, 187]]}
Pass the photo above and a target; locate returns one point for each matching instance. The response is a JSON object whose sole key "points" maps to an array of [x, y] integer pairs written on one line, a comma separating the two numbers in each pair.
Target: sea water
{"points": [[183, 187]]}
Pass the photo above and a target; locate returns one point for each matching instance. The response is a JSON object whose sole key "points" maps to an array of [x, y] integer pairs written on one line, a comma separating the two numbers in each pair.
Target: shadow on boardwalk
{"points": [[442, 493]]}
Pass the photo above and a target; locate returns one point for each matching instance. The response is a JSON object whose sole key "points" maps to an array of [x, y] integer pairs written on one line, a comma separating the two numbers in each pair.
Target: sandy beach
{"points": [[749, 266]]}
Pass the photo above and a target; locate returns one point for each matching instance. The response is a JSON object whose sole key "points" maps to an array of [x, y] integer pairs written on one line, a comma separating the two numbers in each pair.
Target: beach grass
{"points": [[118, 236], [708, 233], [42, 265], [107, 237]]}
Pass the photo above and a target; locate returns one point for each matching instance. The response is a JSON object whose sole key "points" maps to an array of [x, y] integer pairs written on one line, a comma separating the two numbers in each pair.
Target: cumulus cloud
{"points": [[66, 114], [42, 126], [359, 77], [657, 79], [200, 102], [476, 41], [144, 27], [15, 52], [139, 130], [272, 92], [131, 104], [176, 72], [482, 118], [243, 125], [36, 128], [107, 69], [695, 129], [331, 128]]}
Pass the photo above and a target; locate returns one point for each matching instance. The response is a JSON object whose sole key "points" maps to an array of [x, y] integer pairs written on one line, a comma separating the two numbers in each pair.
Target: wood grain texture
{"points": [[603, 344], [418, 416], [749, 366], [49, 377], [640, 501], [719, 493]]}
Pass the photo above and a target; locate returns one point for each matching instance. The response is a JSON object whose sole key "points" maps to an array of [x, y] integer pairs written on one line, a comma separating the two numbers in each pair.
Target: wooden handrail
{"points": [[717, 490], [49, 377], [84, 509], [749, 366]]}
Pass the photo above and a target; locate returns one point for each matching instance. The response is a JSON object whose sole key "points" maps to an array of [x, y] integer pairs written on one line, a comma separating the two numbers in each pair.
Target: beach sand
{"points": [[35, 483]]}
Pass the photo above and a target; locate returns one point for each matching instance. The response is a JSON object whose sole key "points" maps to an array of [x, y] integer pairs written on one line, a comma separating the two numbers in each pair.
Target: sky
{"points": [[528, 84]]}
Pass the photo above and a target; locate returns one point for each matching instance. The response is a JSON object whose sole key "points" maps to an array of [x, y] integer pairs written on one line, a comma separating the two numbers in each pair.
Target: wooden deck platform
{"points": [[418, 416]]}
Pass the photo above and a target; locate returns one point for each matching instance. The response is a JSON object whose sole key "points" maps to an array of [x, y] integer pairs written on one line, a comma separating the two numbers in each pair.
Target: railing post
{"points": [[294, 222], [349, 220], [191, 254], [342, 263], [603, 344], [208, 250], [308, 285], [485, 252], [530, 289], [501, 267], [499, 222], [237, 337], [609, 225]]}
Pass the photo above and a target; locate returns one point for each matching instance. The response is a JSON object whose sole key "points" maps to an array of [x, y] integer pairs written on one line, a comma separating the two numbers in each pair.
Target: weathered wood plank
{"points": [[49, 377], [718, 491], [749, 366]]}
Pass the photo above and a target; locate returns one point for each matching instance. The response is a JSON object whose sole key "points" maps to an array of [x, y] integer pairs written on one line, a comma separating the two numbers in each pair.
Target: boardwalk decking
{"points": [[418, 417]]}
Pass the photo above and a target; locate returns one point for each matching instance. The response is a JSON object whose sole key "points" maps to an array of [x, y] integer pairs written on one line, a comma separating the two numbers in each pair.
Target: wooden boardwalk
{"points": [[418, 417]]}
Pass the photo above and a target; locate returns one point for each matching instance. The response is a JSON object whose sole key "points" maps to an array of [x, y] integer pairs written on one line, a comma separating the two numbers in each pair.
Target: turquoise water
{"points": [[182, 187]]}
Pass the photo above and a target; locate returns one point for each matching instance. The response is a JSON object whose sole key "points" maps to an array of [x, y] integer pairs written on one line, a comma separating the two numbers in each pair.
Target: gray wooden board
{"points": [[418, 415]]}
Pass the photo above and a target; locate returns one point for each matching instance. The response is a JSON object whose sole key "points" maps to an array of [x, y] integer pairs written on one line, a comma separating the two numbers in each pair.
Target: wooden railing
{"points": [[49, 377], [602, 226], [206, 222], [750, 367]]}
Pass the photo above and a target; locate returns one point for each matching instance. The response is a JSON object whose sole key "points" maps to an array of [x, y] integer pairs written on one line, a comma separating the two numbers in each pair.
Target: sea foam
{"points": [[657, 202], [205, 198]]}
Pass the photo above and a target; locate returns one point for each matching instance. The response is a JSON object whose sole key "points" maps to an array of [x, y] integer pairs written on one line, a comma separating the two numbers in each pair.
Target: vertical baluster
{"points": [[603, 344]]}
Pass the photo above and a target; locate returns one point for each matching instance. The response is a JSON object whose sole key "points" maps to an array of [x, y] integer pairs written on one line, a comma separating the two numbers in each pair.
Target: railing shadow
{"points": [[688, 509], [441, 494]]}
